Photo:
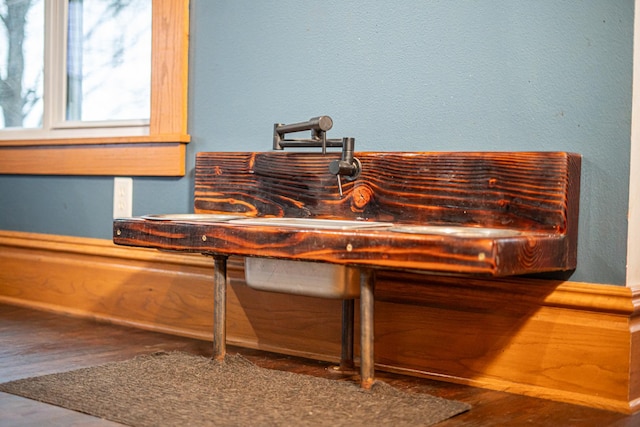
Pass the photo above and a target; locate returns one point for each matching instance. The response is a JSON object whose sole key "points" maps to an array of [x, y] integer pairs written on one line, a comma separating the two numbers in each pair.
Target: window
{"points": [[92, 79], [74, 136]]}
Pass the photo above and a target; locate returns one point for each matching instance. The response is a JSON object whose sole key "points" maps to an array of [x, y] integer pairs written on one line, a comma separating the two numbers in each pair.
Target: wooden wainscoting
{"points": [[567, 341]]}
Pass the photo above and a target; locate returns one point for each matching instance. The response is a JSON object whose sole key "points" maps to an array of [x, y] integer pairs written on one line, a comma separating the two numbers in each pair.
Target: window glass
{"points": [[108, 60], [21, 63]]}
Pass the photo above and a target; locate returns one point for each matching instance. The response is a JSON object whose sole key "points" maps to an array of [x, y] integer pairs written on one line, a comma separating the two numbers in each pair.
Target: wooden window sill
{"points": [[159, 155]]}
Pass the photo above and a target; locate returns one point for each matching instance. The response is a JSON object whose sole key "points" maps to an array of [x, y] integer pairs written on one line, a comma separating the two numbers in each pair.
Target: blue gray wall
{"points": [[404, 75]]}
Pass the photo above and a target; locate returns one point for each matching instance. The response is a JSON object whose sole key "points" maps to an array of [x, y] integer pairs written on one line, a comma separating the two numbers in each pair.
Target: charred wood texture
{"points": [[535, 193]]}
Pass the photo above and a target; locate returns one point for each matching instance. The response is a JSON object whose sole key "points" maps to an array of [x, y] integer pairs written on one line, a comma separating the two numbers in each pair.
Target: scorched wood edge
{"points": [[535, 193]]}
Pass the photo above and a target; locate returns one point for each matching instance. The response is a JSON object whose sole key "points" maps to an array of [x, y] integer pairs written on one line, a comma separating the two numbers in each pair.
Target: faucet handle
{"points": [[339, 185], [343, 167], [349, 170]]}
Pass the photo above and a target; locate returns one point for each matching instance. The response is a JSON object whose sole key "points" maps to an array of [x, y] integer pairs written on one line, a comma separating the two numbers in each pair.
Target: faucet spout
{"points": [[348, 166], [317, 124], [318, 127]]}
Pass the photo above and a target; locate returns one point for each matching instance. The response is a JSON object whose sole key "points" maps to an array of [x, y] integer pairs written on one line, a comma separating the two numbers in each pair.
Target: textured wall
{"points": [[403, 75]]}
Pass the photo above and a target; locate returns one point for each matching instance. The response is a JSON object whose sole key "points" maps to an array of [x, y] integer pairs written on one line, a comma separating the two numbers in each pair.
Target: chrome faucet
{"points": [[348, 166]]}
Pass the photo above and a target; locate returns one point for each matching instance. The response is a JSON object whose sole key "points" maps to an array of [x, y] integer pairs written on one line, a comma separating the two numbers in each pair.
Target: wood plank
{"points": [[170, 67], [524, 191], [497, 256], [529, 336], [115, 140], [95, 159]]}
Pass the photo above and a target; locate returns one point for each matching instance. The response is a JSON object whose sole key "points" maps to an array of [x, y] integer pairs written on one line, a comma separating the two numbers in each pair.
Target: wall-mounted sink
{"points": [[424, 211], [291, 247], [313, 279], [456, 231], [327, 224]]}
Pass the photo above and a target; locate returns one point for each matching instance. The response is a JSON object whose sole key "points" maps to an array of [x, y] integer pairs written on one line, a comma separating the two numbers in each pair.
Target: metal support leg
{"points": [[219, 307], [346, 358], [367, 281]]}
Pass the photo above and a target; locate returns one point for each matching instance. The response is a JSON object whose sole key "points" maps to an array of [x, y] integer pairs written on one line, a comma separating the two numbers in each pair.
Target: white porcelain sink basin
{"points": [[313, 279], [331, 224], [456, 231]]}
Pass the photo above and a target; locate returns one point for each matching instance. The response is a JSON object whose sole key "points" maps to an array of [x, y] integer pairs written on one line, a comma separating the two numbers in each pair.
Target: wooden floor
{"points": [[36, 343]]}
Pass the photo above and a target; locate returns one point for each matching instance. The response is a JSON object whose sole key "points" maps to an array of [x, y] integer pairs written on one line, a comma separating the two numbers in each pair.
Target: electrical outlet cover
{"points": [[122, 197]]}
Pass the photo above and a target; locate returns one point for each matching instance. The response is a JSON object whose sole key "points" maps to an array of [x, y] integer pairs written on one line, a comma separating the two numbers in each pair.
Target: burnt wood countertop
{"points": [[526, 252], [534, 195]]}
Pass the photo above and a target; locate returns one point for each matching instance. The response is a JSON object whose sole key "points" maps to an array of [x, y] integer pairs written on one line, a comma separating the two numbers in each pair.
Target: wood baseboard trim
{"points": [[567, 341]]}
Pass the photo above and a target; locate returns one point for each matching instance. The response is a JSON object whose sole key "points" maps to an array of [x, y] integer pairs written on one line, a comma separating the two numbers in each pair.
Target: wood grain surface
{"points": [[531, 191], [535, 194]]}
